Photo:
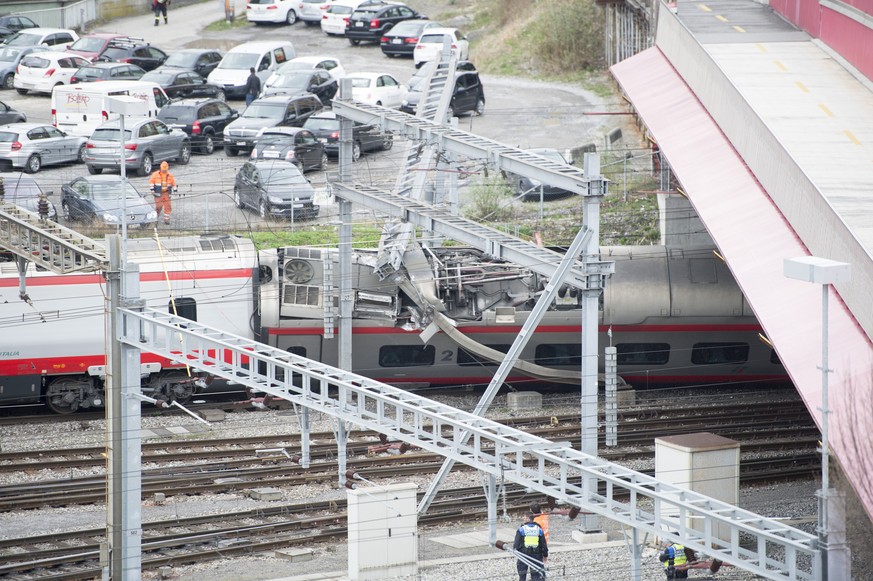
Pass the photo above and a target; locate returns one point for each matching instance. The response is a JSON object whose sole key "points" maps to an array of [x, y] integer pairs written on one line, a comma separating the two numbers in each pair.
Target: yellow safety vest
{"points": [[678, 556]]}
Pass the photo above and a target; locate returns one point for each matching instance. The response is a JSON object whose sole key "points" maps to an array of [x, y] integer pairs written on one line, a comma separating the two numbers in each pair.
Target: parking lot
{"points": [[519, 112]]}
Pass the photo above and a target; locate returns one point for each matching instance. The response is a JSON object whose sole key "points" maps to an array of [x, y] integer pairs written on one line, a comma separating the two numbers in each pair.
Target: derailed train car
{"points": [[675, 316]]}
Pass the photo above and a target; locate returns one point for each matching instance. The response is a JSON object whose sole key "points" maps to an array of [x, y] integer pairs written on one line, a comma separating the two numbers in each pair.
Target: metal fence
{"points": [[76, 15]]}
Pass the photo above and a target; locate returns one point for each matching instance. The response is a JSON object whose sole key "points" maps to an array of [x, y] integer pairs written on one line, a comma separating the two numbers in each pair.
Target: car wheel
{"points": [[480, 106], [146, 165], [263, 210], [95, 171], [208, 145], [291, 17], [65, 210], [323, 163], [230, 151], [354, 42], [378, 103], [33, 164], [237, 198], [21, 91], [388, 143], [356, 151], [184, 153], [8, 81], [80, 157]]}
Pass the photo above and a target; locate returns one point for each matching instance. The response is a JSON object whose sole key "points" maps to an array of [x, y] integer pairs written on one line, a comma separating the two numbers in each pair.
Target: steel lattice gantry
{"points": [[762, 546]]}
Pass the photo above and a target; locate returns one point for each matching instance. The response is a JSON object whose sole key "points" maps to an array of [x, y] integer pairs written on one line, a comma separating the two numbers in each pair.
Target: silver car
{"points": [[10, 56], [32, 145], [147, 142]]}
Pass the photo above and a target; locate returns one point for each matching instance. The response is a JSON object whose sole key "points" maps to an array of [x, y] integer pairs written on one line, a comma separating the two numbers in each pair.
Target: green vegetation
{"points": [[220, 25], [490, 201], [363, 236]]}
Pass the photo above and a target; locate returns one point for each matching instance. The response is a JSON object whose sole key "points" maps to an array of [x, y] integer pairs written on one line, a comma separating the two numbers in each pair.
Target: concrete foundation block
{"points": [[295, 555], [265, 494], [212, 415], [160, 498], [584, 538], [165, 572], [524, 400]]}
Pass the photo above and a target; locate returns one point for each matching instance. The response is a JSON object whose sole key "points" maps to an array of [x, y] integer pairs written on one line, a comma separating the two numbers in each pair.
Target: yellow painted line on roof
{"points": [[780, 65], [801, 86], [704, 7], [851, 137], [827, 111], [720, 17], [761, 47], [739, 28]]}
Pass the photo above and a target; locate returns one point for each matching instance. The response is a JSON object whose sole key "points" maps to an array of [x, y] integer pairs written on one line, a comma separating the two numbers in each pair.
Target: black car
{"points": [[294, 144], [10, 115], [141, 54], [200, 60], [97, 200], [318, 82], [274, 189], [325, 126], [531, 190], [372, 20], [468, 97], [106, 72], [401, 40], [203, 120], [181, 84], [275, 111], [11, 24], [422, 72]]}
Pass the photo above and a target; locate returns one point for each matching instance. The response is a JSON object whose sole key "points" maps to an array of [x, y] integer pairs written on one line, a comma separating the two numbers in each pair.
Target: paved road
{"points": [[519, 112]]}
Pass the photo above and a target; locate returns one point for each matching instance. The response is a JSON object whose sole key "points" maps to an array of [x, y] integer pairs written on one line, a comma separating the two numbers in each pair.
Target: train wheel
{"points": [[67, 395], [172, 386]]}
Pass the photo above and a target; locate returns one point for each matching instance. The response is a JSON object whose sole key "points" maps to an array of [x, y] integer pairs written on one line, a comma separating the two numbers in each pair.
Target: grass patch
{"points": [[219, 25], [363, 236]]}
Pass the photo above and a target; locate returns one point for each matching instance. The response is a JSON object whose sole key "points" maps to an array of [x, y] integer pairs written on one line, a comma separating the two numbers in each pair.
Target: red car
{"points": [[92, 45]]}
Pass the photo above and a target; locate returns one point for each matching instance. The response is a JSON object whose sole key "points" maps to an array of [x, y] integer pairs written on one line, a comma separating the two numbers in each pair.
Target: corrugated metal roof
{"points": [[755, 239]]}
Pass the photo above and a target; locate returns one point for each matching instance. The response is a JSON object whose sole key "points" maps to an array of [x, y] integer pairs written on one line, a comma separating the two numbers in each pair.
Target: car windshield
{"points": [[109, 134], [24, 39], [109, 191], [158, 77], [182, 60], [283, 176], [321, 124], [9, 54], [20, 189], [365, 13], [361, 82], [433, 38], [295, 66], [276, 139], [407, 27], [239, 60], [551, 155], [87, 44], [8, 137], [264, 111], [113, 53], [291, 81], [338, 9], [90, 73]]}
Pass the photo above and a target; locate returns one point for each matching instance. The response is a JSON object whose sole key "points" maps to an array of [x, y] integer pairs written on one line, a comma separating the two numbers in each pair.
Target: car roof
{"points": [[271, 163], [98, 178], [56, 54], [312, 59], [441, 30], [108, 64], [258, 45], [193, 102], [22, 126], [283, 98], [370, 75], [128, 123], [196, 50], [45, 31]]}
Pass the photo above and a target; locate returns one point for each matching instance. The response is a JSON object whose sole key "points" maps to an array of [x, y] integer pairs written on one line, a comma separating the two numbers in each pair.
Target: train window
{"points": [[184, 307], [713, 353], [559, 354], [643, 353], [468, 359], [406, 355]]}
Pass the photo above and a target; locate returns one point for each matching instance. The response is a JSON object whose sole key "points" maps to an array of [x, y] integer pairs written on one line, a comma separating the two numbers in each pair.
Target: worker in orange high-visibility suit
{"points": [[163, 186]]}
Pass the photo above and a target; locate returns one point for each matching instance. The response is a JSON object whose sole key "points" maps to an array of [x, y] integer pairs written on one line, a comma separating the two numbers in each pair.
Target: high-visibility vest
{"points": [[531, 534], [677, 556]]}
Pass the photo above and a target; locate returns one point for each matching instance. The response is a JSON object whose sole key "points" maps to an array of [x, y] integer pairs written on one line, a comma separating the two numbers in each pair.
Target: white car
{"points": [[308, 63], [431, 43], [43, 71], [377, 89], [336, 18], [260, 11], [311, 11], [60, 38]]}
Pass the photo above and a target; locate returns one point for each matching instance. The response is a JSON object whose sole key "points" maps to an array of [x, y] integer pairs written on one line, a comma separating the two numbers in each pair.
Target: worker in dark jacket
{"points": [[253, 87], [530, 540], [674, 558]]}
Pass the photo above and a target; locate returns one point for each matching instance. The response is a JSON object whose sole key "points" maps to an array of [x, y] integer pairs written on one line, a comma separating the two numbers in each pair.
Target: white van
{"points": [[264, 56], [82, 108]]}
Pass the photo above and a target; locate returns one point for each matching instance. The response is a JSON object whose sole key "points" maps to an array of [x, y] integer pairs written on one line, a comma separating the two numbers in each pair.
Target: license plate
{"points": [[240, 142], [297, 206], [360, 24], [271, 154], [396, 41]]}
